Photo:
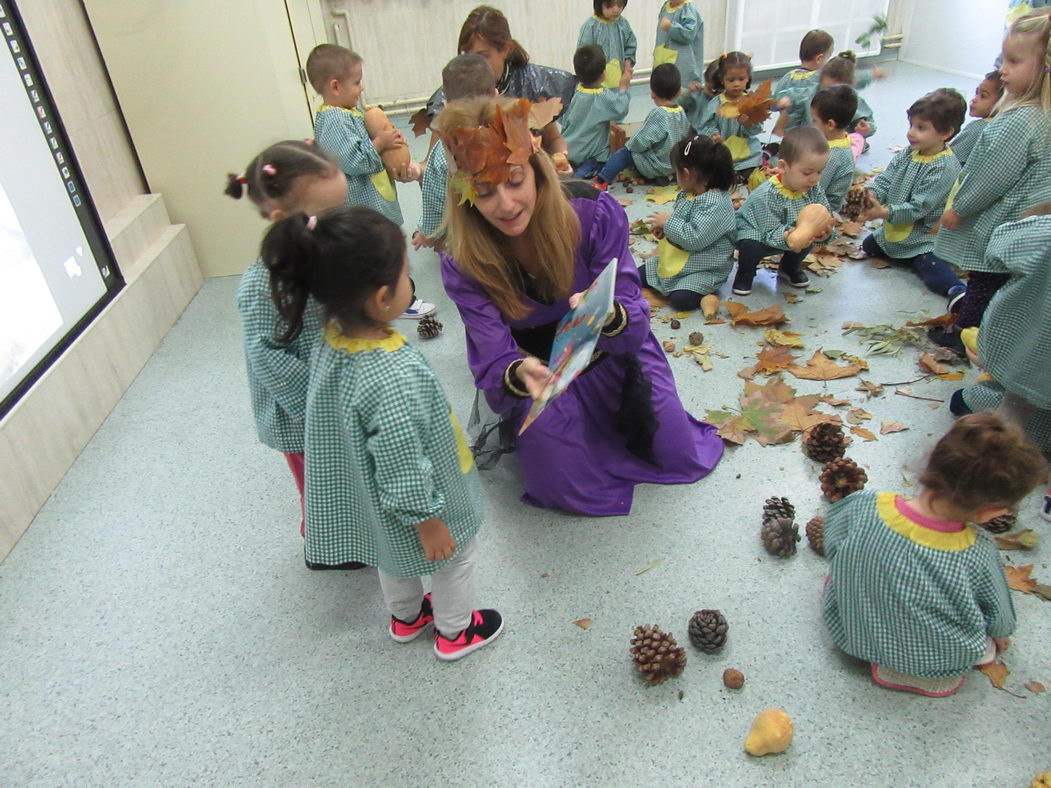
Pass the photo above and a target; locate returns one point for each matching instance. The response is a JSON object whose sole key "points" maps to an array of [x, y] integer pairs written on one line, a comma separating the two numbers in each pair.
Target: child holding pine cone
{"points": [[914, 587]]}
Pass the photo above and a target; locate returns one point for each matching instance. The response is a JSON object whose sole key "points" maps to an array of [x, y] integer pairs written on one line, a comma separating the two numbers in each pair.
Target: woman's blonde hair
{"points": [[1038, 25], [482, 252]]}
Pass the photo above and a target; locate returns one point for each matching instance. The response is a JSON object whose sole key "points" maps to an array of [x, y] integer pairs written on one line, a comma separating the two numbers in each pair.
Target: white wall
{"points": [[962, 37]]}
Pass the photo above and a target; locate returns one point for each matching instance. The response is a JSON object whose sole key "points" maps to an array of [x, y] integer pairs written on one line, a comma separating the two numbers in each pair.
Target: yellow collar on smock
{"points": [[937, 540], [338, 340]]}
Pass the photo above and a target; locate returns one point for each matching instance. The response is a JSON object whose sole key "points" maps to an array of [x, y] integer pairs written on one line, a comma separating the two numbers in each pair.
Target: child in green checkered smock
{"points": [[986, 95], [796, 87], [1009, 169], [732, 79], [696, 250], [914, 588], [585, 123], [291, 175], [609, 29], [680, 40], [831, 110], [390, 481]]}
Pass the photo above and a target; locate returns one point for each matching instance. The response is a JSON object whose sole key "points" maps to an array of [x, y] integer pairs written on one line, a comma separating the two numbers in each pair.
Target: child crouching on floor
{"points": [[914, 588]]}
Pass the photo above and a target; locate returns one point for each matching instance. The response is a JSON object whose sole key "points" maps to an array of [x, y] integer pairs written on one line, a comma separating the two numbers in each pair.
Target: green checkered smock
{"points": [[863, 111], [1008, 171], [914, 189], [651, 146], [1014, 341], [682, 43], [772, 209], [384, 452], [914, 599], [988, 395], [741, 140], [277, 373], [838, 174], [585, 123], [435, 188], [697, 252], [963, 143], [342, 133], [617, 40], [799, 86]]}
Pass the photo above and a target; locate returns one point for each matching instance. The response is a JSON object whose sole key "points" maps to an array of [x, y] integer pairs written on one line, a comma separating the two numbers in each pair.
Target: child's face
{"points": [[348, 90], [804, 174], [493, 55], [509, 206], [985, 96], [735, 80], [924, 138], [612, 9], [1022, 63]]}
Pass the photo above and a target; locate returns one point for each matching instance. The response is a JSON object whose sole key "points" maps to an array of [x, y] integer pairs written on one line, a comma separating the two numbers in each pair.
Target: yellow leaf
{"points": [[821, 367], [785, 338], [663, 194], [861, 432]]}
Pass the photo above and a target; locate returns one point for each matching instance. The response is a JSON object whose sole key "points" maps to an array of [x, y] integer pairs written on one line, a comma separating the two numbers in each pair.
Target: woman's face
{"points": [[493, 55], [509, 207]]}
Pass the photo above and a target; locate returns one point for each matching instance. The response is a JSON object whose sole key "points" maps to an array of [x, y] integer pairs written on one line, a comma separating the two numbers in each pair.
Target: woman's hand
{"points": [[950, 220], [438, 544], [574, 302], [533, 373]]}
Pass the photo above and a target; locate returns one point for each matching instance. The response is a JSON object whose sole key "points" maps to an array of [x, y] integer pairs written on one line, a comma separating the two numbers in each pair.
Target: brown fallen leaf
{"points": [[786, 338], [996, 672], [1035, 687], [858, 415], [1018, 578], [771, 316], [929, 363], [546, 574], [821, 367], [861, 432], [583, 623], [850, 228], [420, 122], [1042, 591], [542, 112], [1026, 539], [887, 426], [775, 359], [835, 402], [791, 298], [800, 415], [951, 376], [871, 389], [879, 262], [933, 322], [653, 298]]}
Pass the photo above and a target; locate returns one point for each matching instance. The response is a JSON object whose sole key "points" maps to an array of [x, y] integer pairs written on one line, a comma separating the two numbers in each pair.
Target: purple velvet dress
{"points": [[573, 457]]}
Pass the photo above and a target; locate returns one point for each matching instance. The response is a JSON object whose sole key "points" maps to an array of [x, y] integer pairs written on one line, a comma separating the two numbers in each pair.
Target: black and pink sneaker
{"points": [[407, 631], [484, 627]]}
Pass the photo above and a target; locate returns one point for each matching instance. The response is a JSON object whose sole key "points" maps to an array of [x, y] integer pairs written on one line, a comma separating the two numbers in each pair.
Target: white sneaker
{"points": [[418, 309], [1045, 507]]}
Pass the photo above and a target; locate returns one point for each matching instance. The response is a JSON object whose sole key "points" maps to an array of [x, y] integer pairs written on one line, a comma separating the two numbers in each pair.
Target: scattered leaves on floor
{"points": [[784, 338], [822, 264], [851, 229], [770, 316], [771, 360], [663, 194], [769, 414], [648, 566], [640, 228], [885, 338], [996, 672], [888, 426], [791, 298], [702, 354], [1018, 578], [858, 415], [583, 623], [871, 389], [861, 432], [834, 401], [1026, 539], [1035, 687], [928, 363], [821, 367]]}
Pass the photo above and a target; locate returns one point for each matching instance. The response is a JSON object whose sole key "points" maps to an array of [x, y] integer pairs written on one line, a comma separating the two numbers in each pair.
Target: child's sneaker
{"points": [[600, 185], [484, 627], [1045, 507], [418, 309], [795, 278], [741, 287], [407, 631], [955, 296]]}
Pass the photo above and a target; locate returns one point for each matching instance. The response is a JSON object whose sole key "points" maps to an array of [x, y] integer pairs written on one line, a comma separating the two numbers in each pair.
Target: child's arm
{"points": [[771, 226], [613, 104], [928, 195], [434, 185], [995, 165], [630, 44], [684, 29], [993, 596], [356, 153], [838, 526]]}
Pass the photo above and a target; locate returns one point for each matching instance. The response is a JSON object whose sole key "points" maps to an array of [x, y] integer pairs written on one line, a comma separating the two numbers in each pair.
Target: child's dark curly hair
{"points": [[725, 61]]}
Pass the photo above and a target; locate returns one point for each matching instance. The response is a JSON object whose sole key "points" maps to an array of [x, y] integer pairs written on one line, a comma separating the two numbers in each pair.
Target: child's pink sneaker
{"points": [[484, 627], [932, 688], [407, 631]]}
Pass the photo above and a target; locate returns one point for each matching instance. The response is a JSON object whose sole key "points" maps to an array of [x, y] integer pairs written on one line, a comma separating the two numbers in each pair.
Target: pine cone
{"points": [[779, 536], [707, 630], [825, 442], [815, 534], [1001, 524], [656, 654], [856, 202], [841, 477], [428, 327], [778, 507]]}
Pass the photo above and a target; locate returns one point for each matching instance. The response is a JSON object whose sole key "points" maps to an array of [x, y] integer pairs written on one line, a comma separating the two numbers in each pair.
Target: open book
{"points": [[575, 339]]}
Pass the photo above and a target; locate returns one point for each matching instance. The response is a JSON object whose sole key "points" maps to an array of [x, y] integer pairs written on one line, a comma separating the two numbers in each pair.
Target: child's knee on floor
{"points": [[684, 300]]}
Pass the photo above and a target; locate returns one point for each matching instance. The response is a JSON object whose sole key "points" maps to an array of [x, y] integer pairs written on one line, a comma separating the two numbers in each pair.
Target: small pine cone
{"points": [[854, 205], [779, 536], [1001, 524], [825, 442], [815, 534], [428, 327], [656, 654], [841, 477], [707, 630], [778, 507]]}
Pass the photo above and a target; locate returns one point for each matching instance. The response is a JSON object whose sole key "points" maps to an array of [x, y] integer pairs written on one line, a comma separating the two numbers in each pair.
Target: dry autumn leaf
{"points": [[751, 109], [821, 367], [583, 623], [1018, 578], [1026, 539], [1035, 687], [663, 194], [544, 111], [861, 432], [834, 401], [858, 415], [791, 298], [997, 673], [1042, 591], [785, 338], [800, 415], [420, 121], [929, 363], [770, 316], [887, 427], [775, 359]]}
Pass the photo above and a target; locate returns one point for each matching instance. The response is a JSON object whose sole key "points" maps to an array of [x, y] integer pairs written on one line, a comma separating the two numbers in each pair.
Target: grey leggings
{"points": [[452, 593]]}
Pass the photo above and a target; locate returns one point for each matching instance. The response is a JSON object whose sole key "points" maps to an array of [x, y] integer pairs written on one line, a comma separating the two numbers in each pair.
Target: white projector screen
{"points": [[56, 267]]}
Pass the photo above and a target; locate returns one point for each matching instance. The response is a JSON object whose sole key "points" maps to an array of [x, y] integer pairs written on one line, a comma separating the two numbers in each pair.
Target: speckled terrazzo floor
{"points": [[157, 625]]}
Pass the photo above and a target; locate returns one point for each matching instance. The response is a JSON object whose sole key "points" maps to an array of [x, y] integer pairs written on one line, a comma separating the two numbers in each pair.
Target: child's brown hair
{"points": [[814, 44], [269, 176], [943, 108], [328, 61], [840, 69], [983, 461], [490, 25], [467, 76]]}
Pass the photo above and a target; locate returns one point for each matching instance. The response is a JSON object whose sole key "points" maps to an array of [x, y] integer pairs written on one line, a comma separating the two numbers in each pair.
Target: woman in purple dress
{"points": [[520, 245]]}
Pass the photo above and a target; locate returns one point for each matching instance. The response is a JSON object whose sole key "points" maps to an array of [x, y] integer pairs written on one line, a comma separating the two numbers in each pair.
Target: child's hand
{"points": [[1002, 644], [421, 241], [562, 165], [438, 544], [873, 209], [950, 219], [864, 128], [665, 24], [388, 139], [409, 173], [626, 75], [717, 138], [533, 373], [783, 103], [695, 86], [657, 221]]}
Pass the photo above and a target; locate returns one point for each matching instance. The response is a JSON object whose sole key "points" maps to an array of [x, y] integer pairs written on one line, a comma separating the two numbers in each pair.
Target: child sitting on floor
{"points": [[832, 109], [610, 29], [910, 194], [696, 251], [649, 150], [768, 216], [914, 588], [986, 96], [842, 70], [814, 51], [731, 80], [585, 123]]}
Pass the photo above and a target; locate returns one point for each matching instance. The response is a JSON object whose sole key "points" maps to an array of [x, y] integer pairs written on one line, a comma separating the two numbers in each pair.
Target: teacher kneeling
{"points": [[520, 245]]}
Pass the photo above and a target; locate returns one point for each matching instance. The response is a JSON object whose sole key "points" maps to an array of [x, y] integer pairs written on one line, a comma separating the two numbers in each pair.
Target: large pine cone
{"points": [[1001, 524], [815, 534], [779, 536], [855, 203], [707, 630], [778, 507], [825, 442], [841, 477], [428, 327], [657, 656]]}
